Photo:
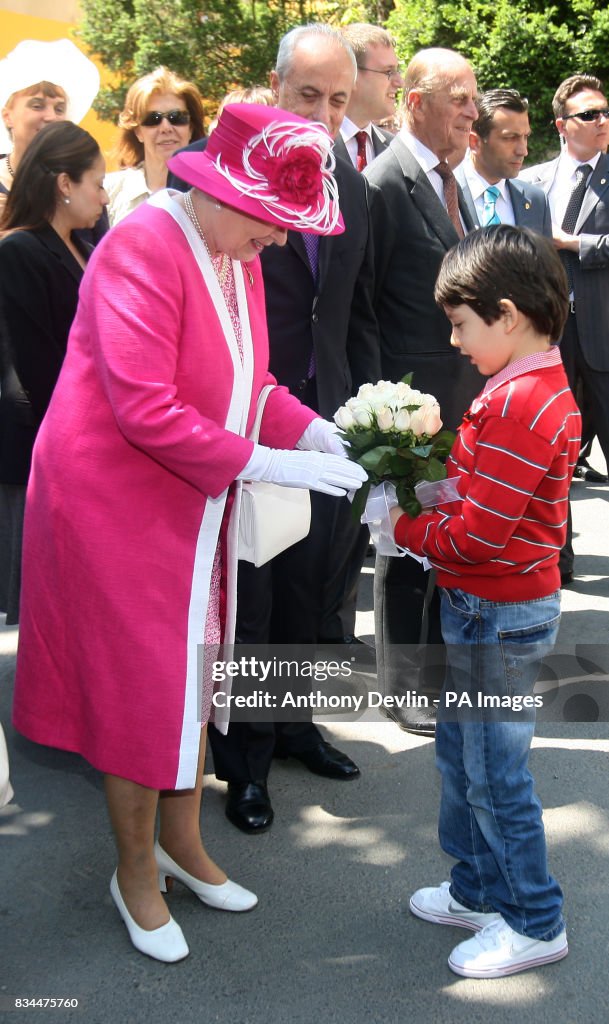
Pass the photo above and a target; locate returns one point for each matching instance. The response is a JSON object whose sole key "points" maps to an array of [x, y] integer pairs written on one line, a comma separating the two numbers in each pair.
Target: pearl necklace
{"points": [[8, 166], [221, 263]]}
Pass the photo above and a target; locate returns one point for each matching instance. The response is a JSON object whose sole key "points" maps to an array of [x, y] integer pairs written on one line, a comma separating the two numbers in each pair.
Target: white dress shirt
{"points": [[564, 183], [349, 130], [428, 161], [477, 186]]}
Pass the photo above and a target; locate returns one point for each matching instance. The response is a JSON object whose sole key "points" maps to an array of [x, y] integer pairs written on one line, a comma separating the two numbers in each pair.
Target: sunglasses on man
{"points": [[175, 117], [587, 115]]}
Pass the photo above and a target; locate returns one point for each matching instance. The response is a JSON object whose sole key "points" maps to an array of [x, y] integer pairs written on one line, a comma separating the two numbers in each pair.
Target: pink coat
{"points": [[127, 499]]}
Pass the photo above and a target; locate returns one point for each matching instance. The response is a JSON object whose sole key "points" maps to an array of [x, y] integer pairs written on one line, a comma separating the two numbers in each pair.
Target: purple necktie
{"points": [[311, 244]]}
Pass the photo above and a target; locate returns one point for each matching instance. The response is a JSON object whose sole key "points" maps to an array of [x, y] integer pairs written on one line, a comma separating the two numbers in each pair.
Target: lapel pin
{"points": [[603, 181], [527, 206]]}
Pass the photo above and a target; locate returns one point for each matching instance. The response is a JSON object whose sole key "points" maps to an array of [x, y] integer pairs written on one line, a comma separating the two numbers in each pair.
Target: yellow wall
{"points": [[49, 20]]}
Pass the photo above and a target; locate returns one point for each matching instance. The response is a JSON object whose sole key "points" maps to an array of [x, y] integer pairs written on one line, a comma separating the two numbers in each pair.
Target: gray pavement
{"points": [[331, 941]]}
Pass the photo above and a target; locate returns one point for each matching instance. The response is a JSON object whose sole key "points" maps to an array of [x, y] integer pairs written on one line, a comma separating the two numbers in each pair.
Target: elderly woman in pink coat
{"points": [[131, 518]]}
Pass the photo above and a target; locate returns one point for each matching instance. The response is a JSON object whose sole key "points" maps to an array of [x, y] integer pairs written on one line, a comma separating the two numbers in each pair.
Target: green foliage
{"points": [[519, 44], [218, 44]]}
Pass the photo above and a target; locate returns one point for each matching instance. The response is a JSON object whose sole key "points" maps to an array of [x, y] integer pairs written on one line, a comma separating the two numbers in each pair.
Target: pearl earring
{"points": [[66, 200], [218, 206]]}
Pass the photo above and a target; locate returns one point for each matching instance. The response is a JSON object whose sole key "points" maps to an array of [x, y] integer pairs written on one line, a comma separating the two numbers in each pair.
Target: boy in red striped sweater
{"points": [[496, 555]]}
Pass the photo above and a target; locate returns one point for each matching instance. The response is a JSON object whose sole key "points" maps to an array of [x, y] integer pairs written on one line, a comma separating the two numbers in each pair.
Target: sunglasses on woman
{"points": [[175, 117]]}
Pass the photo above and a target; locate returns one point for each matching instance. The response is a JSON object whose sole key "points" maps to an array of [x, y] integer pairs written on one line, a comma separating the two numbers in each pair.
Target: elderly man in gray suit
{"points": [[497, 148], [418, 214]]}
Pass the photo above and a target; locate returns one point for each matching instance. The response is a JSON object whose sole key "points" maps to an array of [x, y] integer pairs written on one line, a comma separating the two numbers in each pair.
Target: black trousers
{"points": [[281, 603], [594, 385], [409, 644]]}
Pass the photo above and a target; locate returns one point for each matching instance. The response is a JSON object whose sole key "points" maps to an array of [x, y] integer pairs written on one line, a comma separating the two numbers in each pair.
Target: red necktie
{"points": [[451, 197], [362, 159]]}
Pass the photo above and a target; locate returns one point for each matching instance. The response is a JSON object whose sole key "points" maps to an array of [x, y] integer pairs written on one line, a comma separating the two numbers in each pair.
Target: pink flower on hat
{"points": [[296, 175]]}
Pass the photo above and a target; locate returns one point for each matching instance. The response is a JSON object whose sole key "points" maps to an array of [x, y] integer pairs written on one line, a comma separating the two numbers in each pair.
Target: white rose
{"points": [[366, 391], [363, 416], [402, 420], [384, 418], [384, 394], [344, 419]]}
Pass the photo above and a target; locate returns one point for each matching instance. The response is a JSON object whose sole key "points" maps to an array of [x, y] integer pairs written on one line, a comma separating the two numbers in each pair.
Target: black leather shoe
{"points": [[584, 471], [357, 649], [420, 721], [324, 759], [249, 807]]}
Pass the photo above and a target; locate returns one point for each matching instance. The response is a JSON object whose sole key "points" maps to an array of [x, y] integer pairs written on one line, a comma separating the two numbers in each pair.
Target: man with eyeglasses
{"points": [[577, 186], [374, 96]]}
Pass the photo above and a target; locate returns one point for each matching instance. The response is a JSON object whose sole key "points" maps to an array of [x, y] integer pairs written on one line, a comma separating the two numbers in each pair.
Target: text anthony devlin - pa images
{"points": [[318, 701]]}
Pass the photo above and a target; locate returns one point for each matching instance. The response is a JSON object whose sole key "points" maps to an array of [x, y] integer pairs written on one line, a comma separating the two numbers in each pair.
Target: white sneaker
{"points": [[498, 950], [436, 904]]}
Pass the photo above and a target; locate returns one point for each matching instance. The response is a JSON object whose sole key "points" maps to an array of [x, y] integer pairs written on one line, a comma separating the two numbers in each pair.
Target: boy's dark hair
{"points": [[504, 262], [493, 100]]}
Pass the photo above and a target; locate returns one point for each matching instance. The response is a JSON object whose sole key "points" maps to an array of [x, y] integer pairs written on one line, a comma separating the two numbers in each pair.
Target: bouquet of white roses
{"points": [[393, 431]]}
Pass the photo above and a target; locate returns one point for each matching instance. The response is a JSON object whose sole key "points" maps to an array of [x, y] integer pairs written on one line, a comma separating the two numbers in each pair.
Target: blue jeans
{"points": [[490, 815]]}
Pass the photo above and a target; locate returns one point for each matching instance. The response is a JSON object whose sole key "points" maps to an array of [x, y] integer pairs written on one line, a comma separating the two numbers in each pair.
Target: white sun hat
{"points": [[59, 62]]}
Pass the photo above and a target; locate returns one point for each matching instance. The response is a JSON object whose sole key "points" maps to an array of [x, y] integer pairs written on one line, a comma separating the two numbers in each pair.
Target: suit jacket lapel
{"points": [[468, 199], [51, 241], [425, 197], [520, 203], [597, 187], [379, 142], [340, 148]]}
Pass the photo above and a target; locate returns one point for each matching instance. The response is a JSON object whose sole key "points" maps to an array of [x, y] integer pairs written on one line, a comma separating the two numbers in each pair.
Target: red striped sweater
{"points": [[515, 453]]}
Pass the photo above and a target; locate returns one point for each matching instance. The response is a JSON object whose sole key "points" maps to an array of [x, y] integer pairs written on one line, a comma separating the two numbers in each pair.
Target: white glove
{"points": [[320, 436], [317, 471]]}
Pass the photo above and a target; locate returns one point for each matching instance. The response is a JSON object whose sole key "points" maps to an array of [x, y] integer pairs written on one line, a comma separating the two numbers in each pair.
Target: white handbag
{"points": [[272, 517]]}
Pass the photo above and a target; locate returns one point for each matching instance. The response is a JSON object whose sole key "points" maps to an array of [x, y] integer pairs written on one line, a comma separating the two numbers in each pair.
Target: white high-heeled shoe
{"points": [[228, 896], [166, 943]]}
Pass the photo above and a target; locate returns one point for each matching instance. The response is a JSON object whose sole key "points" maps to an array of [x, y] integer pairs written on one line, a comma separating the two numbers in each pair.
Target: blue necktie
{"points": [[489, 213]]}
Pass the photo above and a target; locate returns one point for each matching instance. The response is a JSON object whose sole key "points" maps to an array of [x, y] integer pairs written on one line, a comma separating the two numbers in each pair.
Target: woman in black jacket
{"points": [[58, 188]]}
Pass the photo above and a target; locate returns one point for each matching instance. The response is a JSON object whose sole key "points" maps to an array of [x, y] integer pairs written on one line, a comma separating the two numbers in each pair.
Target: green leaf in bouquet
{"points": [[359, 501], [407, 379], [422, 451], [399, 466], [376, 460], [406, 453], [407, 498], [433, 470], [443, 442], [360, 441]]}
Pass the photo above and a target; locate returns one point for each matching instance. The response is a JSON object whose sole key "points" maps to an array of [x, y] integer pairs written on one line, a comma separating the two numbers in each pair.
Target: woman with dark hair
{"points": [[57, 189], [162, 114]]}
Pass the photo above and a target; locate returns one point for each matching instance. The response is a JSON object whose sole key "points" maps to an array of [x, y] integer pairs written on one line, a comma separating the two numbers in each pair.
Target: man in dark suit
{"points": [[497, 148], [323, 345], [577, 186], [359, 140], [418, 213]]}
